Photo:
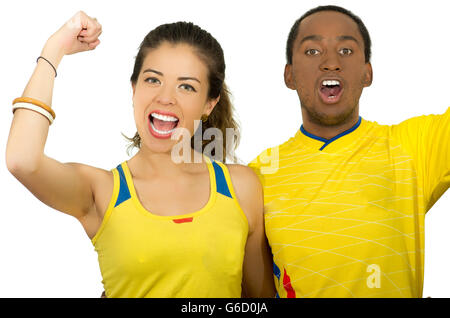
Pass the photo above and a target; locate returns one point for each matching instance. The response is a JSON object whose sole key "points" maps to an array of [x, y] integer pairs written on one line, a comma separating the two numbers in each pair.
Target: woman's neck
{"points": [[163, 164]]}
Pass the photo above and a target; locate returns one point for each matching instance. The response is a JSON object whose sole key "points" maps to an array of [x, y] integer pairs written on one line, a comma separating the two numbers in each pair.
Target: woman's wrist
{"points": [[53, 51]]}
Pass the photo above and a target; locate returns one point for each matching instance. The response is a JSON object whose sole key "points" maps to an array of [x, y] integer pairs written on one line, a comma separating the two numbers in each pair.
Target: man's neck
{"points": [[328, 132]]}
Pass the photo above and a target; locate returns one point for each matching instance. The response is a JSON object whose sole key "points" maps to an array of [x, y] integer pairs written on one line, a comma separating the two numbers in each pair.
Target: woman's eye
{"points": [[345, 51], [188, 87], [152, 80], [312, 52]]}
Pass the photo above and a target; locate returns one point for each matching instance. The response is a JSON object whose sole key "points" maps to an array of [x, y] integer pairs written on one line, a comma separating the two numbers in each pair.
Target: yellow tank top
{"points": [[198, 254]]}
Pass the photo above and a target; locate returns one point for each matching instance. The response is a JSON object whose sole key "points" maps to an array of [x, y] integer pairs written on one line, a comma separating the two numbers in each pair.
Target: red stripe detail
{"points": [[287, 285], [186, 220]]}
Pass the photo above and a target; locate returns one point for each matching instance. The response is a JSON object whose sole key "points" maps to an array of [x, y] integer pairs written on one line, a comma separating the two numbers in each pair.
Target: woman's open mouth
{"points": [[330, 91], [162, 125]]}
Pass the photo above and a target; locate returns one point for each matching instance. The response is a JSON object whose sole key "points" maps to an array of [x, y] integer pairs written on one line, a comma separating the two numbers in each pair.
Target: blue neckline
{"points": [[329, 141]]}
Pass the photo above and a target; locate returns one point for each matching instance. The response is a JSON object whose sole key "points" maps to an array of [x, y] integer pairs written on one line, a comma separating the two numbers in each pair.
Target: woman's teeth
{"points": [[162, 132], [164, 117], [164, 122]]}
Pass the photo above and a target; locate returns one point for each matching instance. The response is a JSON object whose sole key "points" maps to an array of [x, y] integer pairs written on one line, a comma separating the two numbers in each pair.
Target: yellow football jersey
{"points": [[345, 217]]}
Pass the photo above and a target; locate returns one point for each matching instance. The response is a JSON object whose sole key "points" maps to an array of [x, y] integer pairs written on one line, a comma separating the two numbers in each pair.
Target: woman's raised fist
{"points": [[80, 33]]}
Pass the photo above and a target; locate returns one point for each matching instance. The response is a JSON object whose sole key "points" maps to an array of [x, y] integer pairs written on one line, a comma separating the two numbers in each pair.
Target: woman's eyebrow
{"points": [[188, 78], [183, 78], [154, 71]]}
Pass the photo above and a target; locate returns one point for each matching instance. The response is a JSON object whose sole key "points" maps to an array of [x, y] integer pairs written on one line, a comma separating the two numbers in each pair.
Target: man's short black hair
{"points": [[362, 29]]}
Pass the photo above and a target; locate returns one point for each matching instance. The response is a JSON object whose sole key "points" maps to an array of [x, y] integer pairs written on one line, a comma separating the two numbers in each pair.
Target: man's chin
{"points": [[330, 120]]}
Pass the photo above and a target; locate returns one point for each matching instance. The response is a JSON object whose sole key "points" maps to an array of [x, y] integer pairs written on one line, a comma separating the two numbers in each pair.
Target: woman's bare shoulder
{"points": [[248, 190], [96, 176], [243, 175], [102, 188], [101, 182]]}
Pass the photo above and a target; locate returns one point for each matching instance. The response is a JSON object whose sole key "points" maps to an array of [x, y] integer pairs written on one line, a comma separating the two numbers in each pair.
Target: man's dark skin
{"points": [[328, 46]]}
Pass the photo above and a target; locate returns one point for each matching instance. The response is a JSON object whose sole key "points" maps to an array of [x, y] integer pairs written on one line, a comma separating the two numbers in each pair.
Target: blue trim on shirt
{"points": [[276, 270], [221, 182], [329, 141], [124, 192]]}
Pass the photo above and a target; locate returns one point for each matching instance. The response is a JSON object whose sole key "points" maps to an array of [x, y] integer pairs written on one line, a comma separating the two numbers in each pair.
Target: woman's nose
{"points": [[166, 96]]}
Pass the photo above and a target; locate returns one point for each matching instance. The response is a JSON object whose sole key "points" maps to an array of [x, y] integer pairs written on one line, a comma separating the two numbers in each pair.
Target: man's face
{"points": [[328, 68]]}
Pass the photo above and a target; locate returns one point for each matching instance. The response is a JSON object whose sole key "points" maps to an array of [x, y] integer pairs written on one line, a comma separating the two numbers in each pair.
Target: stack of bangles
{"points": [[35, 105]]}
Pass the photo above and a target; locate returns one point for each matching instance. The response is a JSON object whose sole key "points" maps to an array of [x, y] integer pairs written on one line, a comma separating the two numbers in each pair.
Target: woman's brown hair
{"points": [[211, 53]]}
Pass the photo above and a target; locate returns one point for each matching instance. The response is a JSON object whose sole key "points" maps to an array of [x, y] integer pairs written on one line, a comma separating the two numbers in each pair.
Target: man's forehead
{"points": [[328, 24]]}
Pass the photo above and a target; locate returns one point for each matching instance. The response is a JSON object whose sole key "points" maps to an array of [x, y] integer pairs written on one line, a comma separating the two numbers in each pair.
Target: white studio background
{"points": [[44, 253]]}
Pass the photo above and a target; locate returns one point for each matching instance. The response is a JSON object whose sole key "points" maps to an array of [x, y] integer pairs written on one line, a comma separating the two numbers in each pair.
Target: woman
{"points": [[161, 227]]}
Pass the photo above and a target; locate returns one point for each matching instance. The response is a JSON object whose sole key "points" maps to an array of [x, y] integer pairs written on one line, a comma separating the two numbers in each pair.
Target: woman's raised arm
{"points": [[65, 187]]}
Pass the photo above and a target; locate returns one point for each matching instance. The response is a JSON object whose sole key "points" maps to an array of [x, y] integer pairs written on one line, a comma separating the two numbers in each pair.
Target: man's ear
{"points": [[288, 80], [368, 75]]}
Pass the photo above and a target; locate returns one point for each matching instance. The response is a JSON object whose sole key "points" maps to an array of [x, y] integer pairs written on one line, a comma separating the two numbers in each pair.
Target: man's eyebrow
{"points": [[347, 37], [311, 38], [315, 37]]}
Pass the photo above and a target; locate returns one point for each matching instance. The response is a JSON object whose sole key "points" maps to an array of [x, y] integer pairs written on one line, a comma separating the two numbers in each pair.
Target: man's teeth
{"points": [[164, 117], [331, 83]]}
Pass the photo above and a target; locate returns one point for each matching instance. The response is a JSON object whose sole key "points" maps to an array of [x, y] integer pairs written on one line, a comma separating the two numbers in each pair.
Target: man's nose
{"points": [[330, 63]]}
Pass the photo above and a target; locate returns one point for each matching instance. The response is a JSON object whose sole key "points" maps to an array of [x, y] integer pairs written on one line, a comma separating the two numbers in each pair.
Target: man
{"points": [[345, 207]]}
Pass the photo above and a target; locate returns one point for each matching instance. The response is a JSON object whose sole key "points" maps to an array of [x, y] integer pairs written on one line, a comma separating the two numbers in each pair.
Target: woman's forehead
{"points": [[170, 58]]}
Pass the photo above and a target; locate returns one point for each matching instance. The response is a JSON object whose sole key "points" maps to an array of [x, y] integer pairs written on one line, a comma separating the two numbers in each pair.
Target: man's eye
{"points": [[188, 87], [312, 52], [152, 80], [345, 51]]}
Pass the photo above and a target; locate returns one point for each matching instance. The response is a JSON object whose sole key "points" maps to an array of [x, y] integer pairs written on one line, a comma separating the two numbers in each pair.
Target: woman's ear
{"points": [[133, 87], [211, 104]]}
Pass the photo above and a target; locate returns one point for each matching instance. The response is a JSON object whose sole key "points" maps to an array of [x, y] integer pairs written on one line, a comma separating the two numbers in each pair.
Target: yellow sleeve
{"points": [[427, 139]]}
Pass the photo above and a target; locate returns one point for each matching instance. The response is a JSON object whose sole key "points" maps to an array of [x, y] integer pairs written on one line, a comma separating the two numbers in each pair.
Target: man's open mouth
{"points": [[330, 90]]}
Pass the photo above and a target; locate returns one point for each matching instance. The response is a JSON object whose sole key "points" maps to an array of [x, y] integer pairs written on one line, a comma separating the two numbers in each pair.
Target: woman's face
{"points": [[171, 92]]}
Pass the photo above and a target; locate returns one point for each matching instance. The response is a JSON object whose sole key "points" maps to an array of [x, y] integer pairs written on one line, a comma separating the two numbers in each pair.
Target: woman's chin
{"points": [[158, 147]]}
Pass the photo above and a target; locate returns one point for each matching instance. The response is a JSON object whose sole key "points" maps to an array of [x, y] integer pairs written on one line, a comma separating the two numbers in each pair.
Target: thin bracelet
{"points": [[41, 57], [35, 102], [35, 108]]}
